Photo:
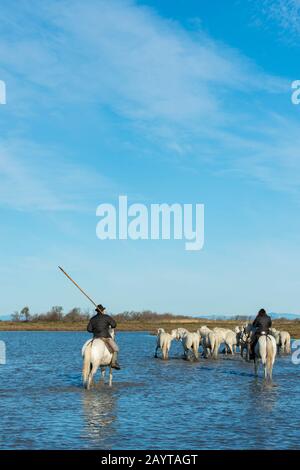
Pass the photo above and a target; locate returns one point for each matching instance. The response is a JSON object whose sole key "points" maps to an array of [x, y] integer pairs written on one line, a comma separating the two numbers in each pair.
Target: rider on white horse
{"points": [[262, 325], [99, 325]]}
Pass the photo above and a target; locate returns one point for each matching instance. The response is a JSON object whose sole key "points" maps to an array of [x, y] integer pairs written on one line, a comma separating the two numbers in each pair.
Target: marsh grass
{"points": [[292, 326]]}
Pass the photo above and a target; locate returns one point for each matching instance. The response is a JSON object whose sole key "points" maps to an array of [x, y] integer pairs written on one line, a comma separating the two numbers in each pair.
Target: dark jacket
{"points": [[262, 323], [99, 325]]}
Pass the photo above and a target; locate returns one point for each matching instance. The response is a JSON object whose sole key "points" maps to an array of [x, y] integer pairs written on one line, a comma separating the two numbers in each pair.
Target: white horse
{"points": [[163, 342], [265, 350], [276, 335], [220, 336], [96, 354], [210, 341], [228, 337], [285, 342], [230, 341], [191, 343], [181, 331]]}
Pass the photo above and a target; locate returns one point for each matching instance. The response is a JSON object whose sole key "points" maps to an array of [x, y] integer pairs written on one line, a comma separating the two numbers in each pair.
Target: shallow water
{"points": [[153, 404]]}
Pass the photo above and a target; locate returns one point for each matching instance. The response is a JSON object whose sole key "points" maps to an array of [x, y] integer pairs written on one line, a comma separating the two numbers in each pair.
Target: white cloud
{"points": [[32, 178], [285, 12], [128, 58], [182, 91]]}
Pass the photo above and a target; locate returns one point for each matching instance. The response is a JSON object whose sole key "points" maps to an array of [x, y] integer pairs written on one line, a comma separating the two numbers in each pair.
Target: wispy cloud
{"points": [[285, 12], [127, 57], [182, 91], [32, 178]]}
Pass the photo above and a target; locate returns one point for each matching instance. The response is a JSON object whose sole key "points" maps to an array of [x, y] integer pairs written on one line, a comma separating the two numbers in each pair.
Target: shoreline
{"points": [[292, 326]]}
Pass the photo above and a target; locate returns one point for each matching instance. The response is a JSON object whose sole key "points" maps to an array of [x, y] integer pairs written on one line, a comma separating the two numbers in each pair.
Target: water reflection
{"points": [[262, 395], [45, 407], [99, 409]]}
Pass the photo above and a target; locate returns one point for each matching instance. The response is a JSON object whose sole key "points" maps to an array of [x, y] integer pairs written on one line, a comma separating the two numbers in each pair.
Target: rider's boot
{"points": [[114, 362], [251, 352]]}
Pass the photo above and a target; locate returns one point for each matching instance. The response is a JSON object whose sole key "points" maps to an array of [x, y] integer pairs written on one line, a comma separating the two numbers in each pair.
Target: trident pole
{"points": [[72, 280]]}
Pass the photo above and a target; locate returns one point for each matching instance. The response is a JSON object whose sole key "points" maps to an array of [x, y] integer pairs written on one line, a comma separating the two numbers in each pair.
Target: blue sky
{"points": [[166, 101]]}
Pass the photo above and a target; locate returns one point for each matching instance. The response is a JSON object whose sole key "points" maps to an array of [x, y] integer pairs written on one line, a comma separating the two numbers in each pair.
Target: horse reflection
{"points": [[99, 412], [263, 396]]}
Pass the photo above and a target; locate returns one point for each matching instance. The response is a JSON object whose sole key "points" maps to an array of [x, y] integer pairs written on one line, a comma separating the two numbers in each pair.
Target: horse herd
{"points": [[96, 354], [241, 337]]}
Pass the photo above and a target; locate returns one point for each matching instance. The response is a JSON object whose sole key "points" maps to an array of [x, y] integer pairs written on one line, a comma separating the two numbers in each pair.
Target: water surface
{"points": [[153, 404]]}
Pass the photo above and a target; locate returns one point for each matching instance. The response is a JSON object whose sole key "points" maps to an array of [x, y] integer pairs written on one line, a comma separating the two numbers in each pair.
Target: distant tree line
{"points": [[241, 317], [55, 314], [147, 316]]}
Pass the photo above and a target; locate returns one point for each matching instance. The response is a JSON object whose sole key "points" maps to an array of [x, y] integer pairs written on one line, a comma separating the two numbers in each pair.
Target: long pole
{"points": [[66, 274]]}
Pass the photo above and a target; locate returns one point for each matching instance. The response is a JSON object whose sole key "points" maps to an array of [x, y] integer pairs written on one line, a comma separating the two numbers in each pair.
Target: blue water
{"points": [[153, 404]]}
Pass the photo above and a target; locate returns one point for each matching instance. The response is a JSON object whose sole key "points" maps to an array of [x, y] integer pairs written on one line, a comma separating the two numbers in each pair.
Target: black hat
{"points": [[100, 308]]}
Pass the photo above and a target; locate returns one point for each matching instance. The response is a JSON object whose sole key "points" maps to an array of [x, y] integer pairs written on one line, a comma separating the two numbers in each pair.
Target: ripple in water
{"points": [[153, 404]]}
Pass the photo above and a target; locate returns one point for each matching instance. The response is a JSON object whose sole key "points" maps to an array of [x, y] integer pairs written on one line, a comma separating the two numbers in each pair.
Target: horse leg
{"points": [[102, 374], [266, 372], [215, 350], [89, 381], [270, 373], [110, 377], [156, 349], [248, 352], [255, 366], [91, 375]]}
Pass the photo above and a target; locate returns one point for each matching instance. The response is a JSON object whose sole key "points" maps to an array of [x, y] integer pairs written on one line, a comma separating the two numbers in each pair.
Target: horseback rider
{"points": [[261, 326], [99, 325]]}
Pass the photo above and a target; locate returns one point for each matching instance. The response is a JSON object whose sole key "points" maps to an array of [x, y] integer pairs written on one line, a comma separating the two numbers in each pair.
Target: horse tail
{"points": [[165, 350], [214, 346], [216, 349], [269, 356], [86, 368], [196, 348], [287, 344]]}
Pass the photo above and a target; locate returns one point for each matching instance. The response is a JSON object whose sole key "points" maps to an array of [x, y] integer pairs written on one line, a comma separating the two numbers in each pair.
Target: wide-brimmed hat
{"points": [[100, 308]]}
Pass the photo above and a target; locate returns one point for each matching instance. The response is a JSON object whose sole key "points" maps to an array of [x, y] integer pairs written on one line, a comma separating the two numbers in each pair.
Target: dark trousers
{"points": [[253, 344]]}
